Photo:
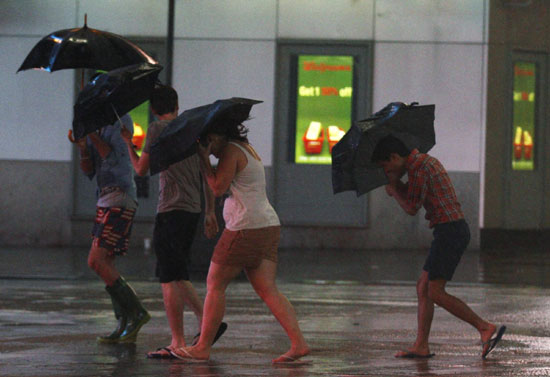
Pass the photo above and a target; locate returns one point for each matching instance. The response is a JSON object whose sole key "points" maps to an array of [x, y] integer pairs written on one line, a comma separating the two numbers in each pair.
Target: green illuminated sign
{"points": [[324, 105], [140, 116], [523, 156]]}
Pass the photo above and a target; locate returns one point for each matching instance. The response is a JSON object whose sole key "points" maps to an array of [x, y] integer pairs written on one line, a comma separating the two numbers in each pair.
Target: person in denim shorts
{"points": [[429, 186]]}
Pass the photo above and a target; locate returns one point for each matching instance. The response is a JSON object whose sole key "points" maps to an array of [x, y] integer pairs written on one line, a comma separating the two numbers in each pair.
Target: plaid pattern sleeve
{"points": [[430, 186]]}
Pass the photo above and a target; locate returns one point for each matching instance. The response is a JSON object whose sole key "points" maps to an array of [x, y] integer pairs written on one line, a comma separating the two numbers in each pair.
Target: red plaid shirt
{"points": [[429, 185]]}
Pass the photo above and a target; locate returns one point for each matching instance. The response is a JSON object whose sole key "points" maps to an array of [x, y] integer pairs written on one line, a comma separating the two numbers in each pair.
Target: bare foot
{"points": [[492, 341], [486, 334], [190, 354], [292, 355], [414, 353]]}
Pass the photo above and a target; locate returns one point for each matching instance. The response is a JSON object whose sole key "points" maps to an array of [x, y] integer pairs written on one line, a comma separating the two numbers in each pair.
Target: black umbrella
{"points": [[179, 139], [84, 48], [352, 168], [111, 95]]}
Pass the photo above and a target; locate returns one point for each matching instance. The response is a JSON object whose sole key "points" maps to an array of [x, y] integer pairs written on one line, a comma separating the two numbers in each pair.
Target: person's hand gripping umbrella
{"points": [[352, 169]]}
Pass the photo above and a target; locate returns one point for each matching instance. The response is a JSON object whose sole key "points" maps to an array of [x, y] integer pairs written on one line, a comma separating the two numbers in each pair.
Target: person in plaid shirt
{"points": [[429, 186]]}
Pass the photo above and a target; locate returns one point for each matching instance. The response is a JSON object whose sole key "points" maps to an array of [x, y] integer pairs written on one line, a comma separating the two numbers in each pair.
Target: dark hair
{"points": [[388, 145], [229, 128], [164, 99]]}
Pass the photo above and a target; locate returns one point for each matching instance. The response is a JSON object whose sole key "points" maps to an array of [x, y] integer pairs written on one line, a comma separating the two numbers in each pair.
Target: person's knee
{"points": [[265, 291], [422, 288], [436, 293], [97, 259], [215, 286], [94, 263]]}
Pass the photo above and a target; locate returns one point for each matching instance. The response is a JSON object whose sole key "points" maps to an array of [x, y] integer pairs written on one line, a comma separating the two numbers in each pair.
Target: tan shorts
{"points": [[247, 247]]}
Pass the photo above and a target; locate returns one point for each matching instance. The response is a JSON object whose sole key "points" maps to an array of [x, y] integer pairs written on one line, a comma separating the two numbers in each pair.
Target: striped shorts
{"points": [[112, 229]]}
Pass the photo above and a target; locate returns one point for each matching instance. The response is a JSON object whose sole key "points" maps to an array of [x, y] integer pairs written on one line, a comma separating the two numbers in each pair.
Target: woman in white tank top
{"points": [[249, 240]]}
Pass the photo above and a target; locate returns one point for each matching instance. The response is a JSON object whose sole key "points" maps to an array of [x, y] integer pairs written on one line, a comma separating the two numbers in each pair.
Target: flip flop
{"points": [[219, 333], [493, 341], [187, 357], [414, 355], [287, 360], [158, 354]]}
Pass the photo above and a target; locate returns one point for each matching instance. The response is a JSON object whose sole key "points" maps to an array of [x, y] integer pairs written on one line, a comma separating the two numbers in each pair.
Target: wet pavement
{"points": [[355, 307]]}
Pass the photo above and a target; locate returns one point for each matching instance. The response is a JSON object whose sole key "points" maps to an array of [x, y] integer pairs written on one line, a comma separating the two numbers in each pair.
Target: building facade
{"points": [[441, 52]]}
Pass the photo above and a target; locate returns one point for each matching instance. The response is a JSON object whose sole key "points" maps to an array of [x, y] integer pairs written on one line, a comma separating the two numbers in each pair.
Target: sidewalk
{"points": [[356, 309]]}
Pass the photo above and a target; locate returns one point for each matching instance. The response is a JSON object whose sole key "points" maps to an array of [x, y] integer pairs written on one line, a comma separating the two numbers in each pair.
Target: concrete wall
{"points": [[429, 51], [389, 226], [35, 202]]}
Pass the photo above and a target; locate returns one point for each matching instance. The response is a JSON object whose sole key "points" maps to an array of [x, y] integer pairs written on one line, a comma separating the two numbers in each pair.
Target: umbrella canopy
{"points": [[111, 95], [352, 168], [179, 139], [84, 48]]}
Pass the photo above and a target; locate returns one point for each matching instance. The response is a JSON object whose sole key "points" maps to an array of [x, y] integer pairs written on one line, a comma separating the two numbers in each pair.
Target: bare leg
{"points": [[173, 304], [176, 294], [219, 277], [191, 299], [459, 309], [262, 279], [103, 264], [424, 318]]}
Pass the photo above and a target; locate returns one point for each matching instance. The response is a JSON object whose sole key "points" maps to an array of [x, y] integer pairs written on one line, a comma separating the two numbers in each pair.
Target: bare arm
{"points": [[211, 227], [219, 179], [140, 163], [86, 164], [101, 146]]}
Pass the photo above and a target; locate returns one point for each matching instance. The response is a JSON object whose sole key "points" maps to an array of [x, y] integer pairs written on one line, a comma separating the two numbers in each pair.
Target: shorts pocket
{"points": [[229, 238]]}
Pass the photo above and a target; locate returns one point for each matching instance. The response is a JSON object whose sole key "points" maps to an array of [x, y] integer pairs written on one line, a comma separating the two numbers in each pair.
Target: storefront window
{"points": [[524, 116], [140, 116], [324, 105]]}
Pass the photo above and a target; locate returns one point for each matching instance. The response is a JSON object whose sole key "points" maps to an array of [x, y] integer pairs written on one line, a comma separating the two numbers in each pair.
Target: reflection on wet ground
{"points": [[356, 309]]}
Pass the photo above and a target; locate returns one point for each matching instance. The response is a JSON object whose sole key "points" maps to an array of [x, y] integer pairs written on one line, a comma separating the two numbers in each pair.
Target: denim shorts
{"points": [[172, 238], [449, 243]]}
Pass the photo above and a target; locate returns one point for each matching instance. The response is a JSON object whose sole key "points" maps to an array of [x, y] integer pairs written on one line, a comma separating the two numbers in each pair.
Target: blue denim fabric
{"points": [[116, 169], [449, 243]]}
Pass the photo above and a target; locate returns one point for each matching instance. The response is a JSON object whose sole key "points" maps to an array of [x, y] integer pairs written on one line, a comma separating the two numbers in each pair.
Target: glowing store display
{"points": [[324, 105], [140, 116], [524, 116]]}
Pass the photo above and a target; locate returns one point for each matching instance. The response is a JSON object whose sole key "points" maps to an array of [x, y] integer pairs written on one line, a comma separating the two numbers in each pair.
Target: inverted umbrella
{"points": [[179, 138], [352, 168], [111, 95], [84, 48]]}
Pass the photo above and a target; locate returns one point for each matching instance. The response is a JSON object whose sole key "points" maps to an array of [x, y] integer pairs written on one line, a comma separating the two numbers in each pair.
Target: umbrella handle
{"points": [[116, 113]]}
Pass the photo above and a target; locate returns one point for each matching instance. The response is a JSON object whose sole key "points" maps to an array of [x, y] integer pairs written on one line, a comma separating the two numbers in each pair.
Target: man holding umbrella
{"points": [[429, 186], [178, 212], [104, 155]]}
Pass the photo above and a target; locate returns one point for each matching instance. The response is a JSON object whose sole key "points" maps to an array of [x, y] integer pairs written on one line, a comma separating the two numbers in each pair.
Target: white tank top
{"points": [[247, 206]]}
